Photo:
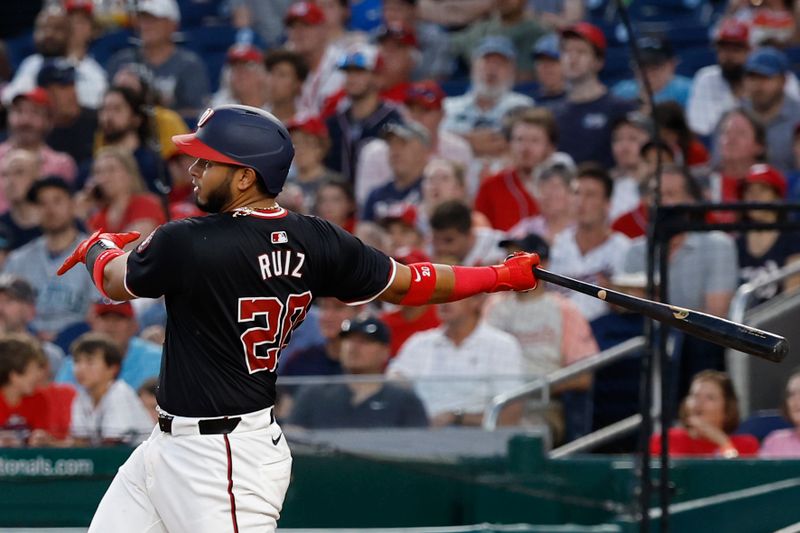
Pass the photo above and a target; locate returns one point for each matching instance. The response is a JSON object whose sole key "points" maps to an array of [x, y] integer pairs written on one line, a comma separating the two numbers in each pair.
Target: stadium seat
{"points": [[762, 423], [19, 48], [110, 43]]}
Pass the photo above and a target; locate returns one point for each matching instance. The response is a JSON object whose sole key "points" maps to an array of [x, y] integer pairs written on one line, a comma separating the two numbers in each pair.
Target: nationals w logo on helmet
{"points": [[204, 117]]}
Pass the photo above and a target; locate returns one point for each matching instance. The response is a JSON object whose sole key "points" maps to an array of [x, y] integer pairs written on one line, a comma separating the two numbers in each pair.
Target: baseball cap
{"points": [[406, 256], [165, 9], [312, 125], [401, 33], [547, 46], [37, 95], [495, 44], [768, 175], [655, 50], [732, 31], [79, 5], [767, 61], [426, 93], [589, 33], [17, 288], [305, 12], [56, 182], [635, 119], [407, 130], [402, 212], [244, 52], [358, 60], [371, 327], [55, 72], [123, 309], [531, 242]]}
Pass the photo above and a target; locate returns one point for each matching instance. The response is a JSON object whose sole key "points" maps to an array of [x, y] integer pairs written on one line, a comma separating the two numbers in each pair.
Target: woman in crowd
{"points": [[311, 144], [785, 443], [708, 416], [444, 180], [336, 203], [554, 197]]}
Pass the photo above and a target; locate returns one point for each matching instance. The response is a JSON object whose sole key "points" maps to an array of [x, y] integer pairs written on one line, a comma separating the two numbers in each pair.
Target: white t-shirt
{"points": [[625, 198], [119, 415], [596, 266], [488, 362], [90, 80], [486, 250]]}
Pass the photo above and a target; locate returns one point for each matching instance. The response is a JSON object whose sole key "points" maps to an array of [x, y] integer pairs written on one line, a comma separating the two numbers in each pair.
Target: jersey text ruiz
{"points": [[281, 263]]}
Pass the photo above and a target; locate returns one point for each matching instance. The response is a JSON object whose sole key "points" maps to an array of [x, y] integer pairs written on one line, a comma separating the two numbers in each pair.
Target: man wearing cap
{"points": [[509, 18], [409, 149], [551, 87], [478, 115], [658, 66], [718, 88], [244, 78], [552, 332], [179, 75], [433, 42], [423, 102], [62, 302], [141, 359], [359, 404], [765, 94], [360, 117], [589, 110], [398, 56], [19, 169], [74, 125], [51, 37]]}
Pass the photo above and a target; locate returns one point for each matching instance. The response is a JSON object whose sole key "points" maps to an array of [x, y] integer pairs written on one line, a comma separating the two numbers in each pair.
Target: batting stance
{"points": [[236, 283]]}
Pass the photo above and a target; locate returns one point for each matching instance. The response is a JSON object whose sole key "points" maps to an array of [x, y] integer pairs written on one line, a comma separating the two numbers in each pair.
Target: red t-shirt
{"points": [[633, 223], [59, 408], [697, 154], [31, 413], [681, 444], [144, 206], [504, 200], [401, 329]]}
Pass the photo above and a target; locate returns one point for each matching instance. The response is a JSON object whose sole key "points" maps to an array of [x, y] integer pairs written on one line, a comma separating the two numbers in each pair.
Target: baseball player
{"points": [[236, 283]]}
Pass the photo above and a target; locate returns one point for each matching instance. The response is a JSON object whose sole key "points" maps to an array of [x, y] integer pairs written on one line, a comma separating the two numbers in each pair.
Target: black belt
{"points": [[211, 426]]}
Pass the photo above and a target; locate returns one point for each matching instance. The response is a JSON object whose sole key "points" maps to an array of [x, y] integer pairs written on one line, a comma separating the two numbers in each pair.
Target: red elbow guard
{"points": [[423, 284]]}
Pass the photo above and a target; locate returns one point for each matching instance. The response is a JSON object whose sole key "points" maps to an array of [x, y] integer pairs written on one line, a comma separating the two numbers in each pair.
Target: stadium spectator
{"points": [[455, 238], [709, 415], [508, 196], [553, 189], [771, 22], [360, 117], [244, 78], [107, 410], [286, 73], [337, 13], [19, 169], [717, 89], [765, 94], [557, 15], [74, 125], [51, 37], [589, 251], [510, 19], [674, 130], [147, 394], [58, 398], [30, 119], [454, 13], [472, 360], [265, 17], [628, 135], [311, 143], [409, 150], [762, 253], [23, 410], [119, 194], [397, 57], [443, 180], [551, 87], [478, 114], [435, 60], [61, 301], [335, 202], [423, 102], [658, 64], [141, 359], [401, 226], [551, 332], [305, 28], [589, 110], [80, 16], [785, 443], [179, 75], [359, 404]]}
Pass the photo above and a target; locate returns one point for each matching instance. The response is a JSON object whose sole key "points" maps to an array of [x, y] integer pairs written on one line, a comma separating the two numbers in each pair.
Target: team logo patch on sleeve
{"points": [[145, 243], [279, 237]]}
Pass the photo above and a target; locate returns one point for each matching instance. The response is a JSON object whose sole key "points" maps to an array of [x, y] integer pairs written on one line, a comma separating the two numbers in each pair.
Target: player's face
{"points": [[707, 402], [212, 185], [91, 370], [451, 243], [362, 355], [55, 210], [591, 204]]}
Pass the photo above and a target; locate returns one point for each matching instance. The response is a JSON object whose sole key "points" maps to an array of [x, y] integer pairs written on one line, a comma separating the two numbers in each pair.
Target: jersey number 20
{"points": [[281, 319]]}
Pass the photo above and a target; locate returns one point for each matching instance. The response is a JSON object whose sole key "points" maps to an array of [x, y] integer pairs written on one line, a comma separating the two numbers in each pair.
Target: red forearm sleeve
{"points": [[470, 281]]}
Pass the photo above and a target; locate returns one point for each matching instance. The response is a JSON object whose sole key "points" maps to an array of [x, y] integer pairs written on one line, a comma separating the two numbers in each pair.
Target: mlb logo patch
{"points": [[279, 237]]}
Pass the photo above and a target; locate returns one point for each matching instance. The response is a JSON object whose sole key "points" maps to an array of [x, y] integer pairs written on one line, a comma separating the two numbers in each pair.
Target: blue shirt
{"points": [[677, 89], [141, 362], [381, 200]]}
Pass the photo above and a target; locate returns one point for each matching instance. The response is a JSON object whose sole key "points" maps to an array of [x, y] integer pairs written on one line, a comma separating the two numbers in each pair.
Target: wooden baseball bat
{"points": [[711, 328]]}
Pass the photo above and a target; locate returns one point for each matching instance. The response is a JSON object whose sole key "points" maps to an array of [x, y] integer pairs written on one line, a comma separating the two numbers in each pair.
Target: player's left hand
{"points": [[79, 255], [516, 273]]}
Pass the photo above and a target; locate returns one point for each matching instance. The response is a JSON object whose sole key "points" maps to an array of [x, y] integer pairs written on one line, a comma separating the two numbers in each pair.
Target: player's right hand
{"points": [[79, 255], [516, 273]]}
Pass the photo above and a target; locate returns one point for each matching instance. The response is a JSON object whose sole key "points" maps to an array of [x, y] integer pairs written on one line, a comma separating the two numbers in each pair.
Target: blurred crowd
{"points": [[435, 130]]}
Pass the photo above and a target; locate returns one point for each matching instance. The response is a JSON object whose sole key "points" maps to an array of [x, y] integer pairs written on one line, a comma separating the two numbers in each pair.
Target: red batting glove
{"points": [[516, 273], [79, 255]]}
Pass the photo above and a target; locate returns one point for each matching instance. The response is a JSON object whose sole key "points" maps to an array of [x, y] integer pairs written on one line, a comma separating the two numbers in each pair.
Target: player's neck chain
{"points": [[248, 210]]}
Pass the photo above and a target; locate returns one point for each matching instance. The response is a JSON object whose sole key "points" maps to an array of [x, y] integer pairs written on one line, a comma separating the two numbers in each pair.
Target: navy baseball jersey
{"points": [[236, 284]]}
